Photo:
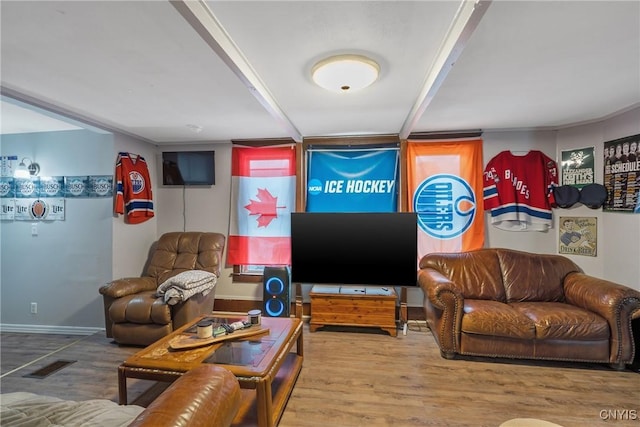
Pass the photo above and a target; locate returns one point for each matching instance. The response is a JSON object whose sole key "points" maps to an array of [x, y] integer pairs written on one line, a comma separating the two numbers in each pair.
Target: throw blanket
{"points": [[185, 285], [22, 409]]}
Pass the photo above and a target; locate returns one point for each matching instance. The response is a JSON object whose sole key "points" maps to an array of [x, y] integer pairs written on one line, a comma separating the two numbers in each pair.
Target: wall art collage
{"points": [[43, 198]]}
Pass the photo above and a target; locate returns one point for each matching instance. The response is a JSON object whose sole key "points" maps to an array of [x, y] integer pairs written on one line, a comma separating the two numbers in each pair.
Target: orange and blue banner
{"points": [[445, 184]]}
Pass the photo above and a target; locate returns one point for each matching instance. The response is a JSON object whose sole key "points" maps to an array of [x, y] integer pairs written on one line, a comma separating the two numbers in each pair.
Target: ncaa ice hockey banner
{"points": [[444, 181], [263, 184], [352, 180]]}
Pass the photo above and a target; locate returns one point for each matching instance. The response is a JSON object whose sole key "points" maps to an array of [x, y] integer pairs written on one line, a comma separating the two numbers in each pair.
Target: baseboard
{"points": [[48, 329], [243, 306], [237, 306]]}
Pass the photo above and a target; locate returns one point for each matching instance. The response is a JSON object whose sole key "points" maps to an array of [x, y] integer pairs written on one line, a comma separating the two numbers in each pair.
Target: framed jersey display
{"points": [[518, 190], [133, 198]]}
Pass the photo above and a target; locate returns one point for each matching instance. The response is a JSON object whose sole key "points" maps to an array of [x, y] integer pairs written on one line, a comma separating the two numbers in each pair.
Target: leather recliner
{"points": [[134, 312]]}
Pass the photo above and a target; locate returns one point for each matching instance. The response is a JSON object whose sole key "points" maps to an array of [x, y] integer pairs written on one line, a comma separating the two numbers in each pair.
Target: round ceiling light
{"points": [[345, 73]]}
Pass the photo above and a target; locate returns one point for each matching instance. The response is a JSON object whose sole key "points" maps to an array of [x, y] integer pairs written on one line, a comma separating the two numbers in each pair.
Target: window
{"points": [[264, 181]]}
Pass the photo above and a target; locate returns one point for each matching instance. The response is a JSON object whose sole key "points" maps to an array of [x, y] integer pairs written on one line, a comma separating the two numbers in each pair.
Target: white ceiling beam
{"points": [[202, 19], [464, 23]]}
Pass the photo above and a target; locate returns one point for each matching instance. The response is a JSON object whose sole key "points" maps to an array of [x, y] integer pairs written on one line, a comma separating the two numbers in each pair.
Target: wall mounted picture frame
{"points": [[577, 167], [578, 236], [622, 174]]}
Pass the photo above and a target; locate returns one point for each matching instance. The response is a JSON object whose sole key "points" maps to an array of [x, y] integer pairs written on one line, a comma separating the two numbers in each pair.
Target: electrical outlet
{"points": [[34, 308]]}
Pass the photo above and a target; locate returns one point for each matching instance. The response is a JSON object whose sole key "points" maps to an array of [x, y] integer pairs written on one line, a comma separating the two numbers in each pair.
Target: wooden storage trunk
{"points": [[353, 306]]}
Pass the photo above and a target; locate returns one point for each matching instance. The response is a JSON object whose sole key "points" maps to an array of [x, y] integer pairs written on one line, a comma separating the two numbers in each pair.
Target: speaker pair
{"points": [[276, 286]]}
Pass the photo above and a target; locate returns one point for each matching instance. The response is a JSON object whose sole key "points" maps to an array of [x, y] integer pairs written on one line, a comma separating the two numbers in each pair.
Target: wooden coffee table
{"points": [[269, 364]]}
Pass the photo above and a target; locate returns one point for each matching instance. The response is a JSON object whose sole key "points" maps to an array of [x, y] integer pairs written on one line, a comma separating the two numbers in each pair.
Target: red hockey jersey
{"points": [[133, 189], [518, 191]]}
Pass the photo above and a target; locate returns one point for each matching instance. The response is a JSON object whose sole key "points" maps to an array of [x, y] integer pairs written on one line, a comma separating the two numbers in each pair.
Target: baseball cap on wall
{"points": [[566, 196], [593, 195]]}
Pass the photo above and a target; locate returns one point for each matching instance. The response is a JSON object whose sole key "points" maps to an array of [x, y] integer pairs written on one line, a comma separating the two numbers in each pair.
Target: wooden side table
{"points": [[353, 306]]}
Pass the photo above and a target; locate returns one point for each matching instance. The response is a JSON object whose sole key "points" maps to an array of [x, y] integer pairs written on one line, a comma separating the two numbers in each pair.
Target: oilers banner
{"points": [[444, 181], [352, 180]]}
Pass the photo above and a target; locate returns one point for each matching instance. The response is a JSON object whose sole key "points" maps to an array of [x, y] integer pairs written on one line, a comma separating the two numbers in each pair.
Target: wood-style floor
{"points": [[361, 377]]}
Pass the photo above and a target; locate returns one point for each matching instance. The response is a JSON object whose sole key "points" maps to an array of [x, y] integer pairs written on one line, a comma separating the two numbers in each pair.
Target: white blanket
{"points": [[185, 285]]}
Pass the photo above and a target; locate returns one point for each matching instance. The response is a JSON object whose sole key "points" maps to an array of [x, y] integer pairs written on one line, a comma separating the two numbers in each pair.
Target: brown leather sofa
{"points": [[514, 304], [207, 396], [135, 314]]}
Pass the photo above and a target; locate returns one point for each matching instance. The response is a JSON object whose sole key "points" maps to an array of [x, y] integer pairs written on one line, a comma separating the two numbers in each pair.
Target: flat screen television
{"points": [[367, 249], [188, 168]]}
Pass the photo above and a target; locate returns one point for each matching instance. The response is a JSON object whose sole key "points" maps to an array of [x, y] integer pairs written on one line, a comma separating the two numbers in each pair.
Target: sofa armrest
{"points": [[127, 286], [443, 305], [616, 303], [439, 289], [121, 288], [208, 395]]}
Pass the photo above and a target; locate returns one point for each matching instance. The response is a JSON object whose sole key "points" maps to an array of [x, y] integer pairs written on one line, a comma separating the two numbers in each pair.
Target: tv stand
{"points": [[353, 306]]}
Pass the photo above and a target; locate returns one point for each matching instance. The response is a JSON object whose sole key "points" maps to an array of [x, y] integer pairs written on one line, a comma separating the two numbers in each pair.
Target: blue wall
{"points": [[64, 265]]}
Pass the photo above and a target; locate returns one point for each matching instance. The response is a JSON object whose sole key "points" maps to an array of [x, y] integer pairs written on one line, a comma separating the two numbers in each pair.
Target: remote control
{"points": [[240, 325], [219, 330]]}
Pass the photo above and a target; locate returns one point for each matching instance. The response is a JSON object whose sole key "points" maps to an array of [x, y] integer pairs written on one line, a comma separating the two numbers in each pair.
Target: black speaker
{"points": [[276, 286]]}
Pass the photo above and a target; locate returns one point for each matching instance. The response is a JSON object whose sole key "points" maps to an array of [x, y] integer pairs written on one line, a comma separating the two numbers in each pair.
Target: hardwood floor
{"points": [[362, 377]]}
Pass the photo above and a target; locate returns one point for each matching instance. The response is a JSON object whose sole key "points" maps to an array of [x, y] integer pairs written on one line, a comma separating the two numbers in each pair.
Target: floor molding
{"points": [[414, 314], [48, 329]]}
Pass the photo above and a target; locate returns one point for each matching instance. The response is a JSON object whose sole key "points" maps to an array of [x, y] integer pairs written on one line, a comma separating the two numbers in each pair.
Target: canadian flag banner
{"points": [[263, 184], [445, 184]]}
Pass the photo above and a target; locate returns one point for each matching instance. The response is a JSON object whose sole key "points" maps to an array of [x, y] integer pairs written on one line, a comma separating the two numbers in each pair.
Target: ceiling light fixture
{"points": [[24, 171], [345, 73]]}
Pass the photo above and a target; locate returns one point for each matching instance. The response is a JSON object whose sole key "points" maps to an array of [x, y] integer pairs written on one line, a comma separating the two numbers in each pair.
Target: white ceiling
{"points": [[241, 69]]}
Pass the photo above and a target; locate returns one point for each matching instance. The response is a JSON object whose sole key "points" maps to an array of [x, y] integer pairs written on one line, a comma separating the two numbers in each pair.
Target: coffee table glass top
{"points": [[241, 353], [247, 357]]}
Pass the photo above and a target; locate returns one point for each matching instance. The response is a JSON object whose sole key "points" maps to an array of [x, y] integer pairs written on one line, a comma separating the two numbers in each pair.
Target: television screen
{"points": [[188, 168], [368, 249]]}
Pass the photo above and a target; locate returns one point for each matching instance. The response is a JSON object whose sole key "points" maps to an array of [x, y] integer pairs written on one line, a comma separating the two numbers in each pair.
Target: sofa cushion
{"points": [[484, 317], [534, 278], [176, 252], [476, 274], [141, 308], [554, 320]]}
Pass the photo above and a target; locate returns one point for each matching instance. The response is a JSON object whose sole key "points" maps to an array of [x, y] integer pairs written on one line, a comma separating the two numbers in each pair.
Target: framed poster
{"points": [[578, 167], [622, 173], [578, 235], [8, 165]]}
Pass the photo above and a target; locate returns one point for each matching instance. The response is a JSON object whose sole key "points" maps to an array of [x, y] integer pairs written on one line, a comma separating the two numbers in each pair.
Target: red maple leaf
{"points": [[265, 208]]}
